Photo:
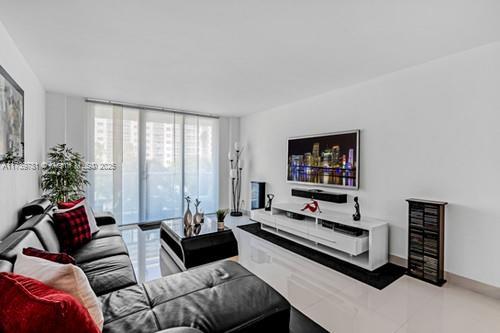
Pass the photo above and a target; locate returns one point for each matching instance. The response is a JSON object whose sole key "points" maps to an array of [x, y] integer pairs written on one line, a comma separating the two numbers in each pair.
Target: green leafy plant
{"points": [[221, 215], [9, 157], [64, 177]]}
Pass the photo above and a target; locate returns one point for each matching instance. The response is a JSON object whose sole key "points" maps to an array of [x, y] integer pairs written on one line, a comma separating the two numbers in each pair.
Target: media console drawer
{"points": [[344, 243], [286, 222]]}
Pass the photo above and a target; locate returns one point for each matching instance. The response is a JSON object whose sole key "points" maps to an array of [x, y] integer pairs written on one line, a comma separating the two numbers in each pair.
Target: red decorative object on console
{"points": [[29, 306], [312, 206]]}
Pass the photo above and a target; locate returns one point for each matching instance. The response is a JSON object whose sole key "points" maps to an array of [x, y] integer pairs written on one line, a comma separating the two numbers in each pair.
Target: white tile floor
{"points": [[344, 305]]}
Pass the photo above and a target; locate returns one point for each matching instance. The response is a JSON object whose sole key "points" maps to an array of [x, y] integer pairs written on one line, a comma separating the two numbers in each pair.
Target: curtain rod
{"points": [[149, 107]]}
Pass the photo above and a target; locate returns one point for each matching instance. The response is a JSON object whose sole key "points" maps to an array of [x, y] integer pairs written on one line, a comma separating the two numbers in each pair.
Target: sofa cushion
{"points": [[99, 248], [6, 266], [107, 230], [180, 330], [215, 298], [124, 302], [16, 242], [104, 218], [109, 274], [237, 299], [43, 226]]}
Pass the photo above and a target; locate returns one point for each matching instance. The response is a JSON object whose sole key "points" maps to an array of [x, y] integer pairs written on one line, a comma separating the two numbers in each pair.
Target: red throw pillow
{"points": [[69, 204], [72, 229], [29, 306], [61, 258]]}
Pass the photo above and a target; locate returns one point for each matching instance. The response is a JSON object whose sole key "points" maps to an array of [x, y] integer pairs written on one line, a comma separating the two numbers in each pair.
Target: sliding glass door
{"points": [[160, 157], [162, 169]]}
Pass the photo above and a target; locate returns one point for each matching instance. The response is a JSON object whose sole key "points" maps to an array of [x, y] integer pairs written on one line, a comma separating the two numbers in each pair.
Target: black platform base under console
{"points": [[379, 278]]}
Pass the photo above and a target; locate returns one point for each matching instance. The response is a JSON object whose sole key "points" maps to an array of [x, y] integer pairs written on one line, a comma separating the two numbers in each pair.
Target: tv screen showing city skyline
{"points": [[330, 159]]}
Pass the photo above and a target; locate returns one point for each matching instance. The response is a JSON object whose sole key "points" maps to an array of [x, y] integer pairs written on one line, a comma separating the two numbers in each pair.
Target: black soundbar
{"points": [[320, 195]]}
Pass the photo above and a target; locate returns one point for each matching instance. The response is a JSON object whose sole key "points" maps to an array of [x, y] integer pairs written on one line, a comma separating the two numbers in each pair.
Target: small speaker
{"points": [[258, 195]]}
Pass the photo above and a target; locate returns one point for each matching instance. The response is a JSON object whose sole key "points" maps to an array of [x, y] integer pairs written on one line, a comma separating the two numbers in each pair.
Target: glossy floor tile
{"points": [[337, 302], [144, 251]]}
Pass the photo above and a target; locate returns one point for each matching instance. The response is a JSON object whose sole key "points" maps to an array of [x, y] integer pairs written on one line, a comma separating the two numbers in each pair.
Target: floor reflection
{"points": [[338, 302], [144, 251], [144, 247]]}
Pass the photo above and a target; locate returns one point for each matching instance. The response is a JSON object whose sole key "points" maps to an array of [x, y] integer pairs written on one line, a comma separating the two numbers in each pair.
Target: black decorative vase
{"points": [[269, 204], [356, 216]]}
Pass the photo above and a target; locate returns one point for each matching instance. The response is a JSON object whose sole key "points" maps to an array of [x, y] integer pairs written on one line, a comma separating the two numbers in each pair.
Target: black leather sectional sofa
{"points": [[222, 297]]}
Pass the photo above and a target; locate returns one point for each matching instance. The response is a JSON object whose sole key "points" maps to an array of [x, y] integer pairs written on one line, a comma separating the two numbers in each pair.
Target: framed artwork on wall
{"points": [[325, 160], [11, 119]]}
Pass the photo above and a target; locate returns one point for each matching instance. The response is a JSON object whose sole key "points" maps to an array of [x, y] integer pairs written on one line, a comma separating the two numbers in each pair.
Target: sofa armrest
{"points": [[180, 330], [35, 207], [104, 218]]}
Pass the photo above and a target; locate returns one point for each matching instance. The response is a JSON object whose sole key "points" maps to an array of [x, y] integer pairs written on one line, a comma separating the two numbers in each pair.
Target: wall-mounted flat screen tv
{"points": [[325, 159]]}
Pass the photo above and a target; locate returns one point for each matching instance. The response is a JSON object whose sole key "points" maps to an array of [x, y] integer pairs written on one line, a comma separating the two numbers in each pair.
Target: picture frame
{"points": [[11, 119], [311, 174]]}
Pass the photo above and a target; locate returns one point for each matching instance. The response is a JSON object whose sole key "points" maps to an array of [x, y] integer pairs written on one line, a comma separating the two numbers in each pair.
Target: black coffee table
{"points": [[195, 246]]}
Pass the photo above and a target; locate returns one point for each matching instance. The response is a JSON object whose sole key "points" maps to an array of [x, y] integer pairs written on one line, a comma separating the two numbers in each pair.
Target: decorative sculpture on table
{"points": [[198, 217], [235, 174], [196, 229], [356, 216], [312, 206], [188, 231], [269, 204], [188, 216]]}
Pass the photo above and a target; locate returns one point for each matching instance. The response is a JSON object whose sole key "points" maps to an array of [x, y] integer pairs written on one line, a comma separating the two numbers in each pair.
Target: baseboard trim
{"points": [[398, 261], [473, 285]]}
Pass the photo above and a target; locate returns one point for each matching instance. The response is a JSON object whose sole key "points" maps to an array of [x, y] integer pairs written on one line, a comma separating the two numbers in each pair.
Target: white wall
{"points": [[431, 131], [66, 121], [229, 129], [19, 187]]}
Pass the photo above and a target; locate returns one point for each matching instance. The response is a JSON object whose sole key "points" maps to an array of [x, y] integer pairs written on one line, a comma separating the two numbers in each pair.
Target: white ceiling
{"points": [[233, 57]]}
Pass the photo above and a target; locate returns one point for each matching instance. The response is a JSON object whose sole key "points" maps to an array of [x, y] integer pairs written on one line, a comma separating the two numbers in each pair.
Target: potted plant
{"points": [[221, 215], [64, 177]]}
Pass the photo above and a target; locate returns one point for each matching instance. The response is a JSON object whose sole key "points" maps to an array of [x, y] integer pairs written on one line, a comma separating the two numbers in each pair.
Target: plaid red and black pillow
{"points": [[72, 228], [61, 258], [90, 214]]}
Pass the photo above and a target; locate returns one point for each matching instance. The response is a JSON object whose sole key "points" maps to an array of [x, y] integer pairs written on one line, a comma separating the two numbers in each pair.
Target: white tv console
{"points": [[369, 251]]}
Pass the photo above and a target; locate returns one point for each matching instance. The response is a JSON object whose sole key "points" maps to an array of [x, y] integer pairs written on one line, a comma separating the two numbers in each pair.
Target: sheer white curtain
{"points": [[160, 157]]}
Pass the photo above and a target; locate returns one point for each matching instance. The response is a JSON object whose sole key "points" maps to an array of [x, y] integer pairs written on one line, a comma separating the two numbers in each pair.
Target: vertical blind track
{"points": [[149, 107]]}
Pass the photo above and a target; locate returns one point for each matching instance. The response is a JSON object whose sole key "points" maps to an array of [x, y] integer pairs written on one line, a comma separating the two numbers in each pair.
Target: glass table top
{"points": [[209, 226]]}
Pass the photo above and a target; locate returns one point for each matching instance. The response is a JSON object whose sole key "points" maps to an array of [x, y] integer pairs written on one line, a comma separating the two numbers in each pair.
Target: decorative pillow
{"points": [[29, 306], [66, 277], [72, 228], [61, 258], [90, 214]]}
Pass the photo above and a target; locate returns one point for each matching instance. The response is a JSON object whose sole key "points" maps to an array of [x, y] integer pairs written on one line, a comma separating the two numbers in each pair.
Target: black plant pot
{"points": [[236, 214]]}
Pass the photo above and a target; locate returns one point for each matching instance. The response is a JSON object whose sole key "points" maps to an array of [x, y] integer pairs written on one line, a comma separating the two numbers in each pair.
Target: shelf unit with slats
{"points": [[426, 240]]}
